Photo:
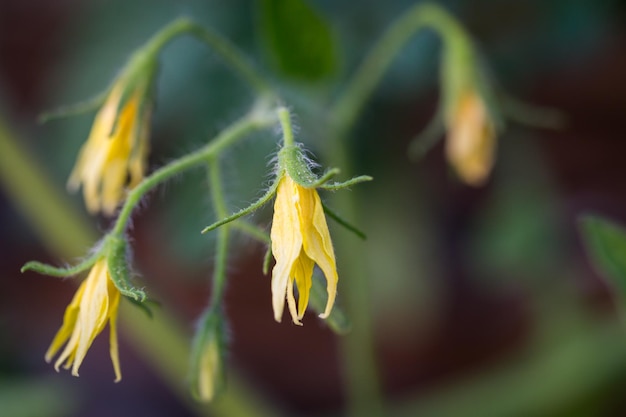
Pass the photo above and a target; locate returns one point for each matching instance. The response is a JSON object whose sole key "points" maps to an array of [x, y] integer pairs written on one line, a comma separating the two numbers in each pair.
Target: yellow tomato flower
{"points": [[209, 372], [300, 239], [114, 156], [95, 302], [470, 146]]}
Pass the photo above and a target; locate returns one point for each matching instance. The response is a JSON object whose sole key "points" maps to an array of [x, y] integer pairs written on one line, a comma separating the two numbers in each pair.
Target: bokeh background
{"points": [[483, 300]]}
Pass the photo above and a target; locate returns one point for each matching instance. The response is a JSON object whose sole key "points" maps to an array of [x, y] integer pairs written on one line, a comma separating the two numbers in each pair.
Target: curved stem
{"points": [[225, 139], [359, 89], [229, 52]]}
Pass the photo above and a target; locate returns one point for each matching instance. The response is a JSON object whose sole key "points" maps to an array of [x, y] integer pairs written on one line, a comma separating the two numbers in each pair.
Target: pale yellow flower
{"points": [[209, 372], [471, 141], [300, 239], [114, 157], [95, 302]]}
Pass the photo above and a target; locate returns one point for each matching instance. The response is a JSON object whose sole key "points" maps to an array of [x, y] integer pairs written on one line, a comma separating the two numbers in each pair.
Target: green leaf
{"points": [[606, 245], [298, 39]]}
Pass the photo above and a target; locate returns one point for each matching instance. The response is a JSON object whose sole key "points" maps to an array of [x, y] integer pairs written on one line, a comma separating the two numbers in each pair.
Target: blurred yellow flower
{"points": [[470, 146], [300, 239], [210, 371], [95, 302], [114, 157]]}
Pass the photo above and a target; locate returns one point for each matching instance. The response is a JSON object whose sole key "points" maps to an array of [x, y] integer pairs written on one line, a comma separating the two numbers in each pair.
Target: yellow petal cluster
{"points": [[300, 239], [470, 146], [114, 157], [95, 302]]}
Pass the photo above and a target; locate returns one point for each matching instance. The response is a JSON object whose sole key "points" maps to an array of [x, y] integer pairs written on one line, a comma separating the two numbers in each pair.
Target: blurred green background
{"points": [[484, 302]]}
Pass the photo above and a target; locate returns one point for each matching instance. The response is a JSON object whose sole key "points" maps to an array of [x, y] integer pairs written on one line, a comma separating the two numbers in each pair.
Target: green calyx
{"points": [[207, 361], [115, 250], [120, 273]]}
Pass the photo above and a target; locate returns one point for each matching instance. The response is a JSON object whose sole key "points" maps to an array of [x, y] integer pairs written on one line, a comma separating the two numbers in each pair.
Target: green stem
{"points": [[228, 137], [221, 250], [360, 88], [285, 123], [229, 52], [233, 57]]}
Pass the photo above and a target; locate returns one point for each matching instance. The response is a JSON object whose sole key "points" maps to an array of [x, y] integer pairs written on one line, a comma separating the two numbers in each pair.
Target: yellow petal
{"points": [[95, 302], [69, 323], [302, 272], [291, 302], [471, 141], [113, 345], [113, 154], [317, 243], [286, 242]]}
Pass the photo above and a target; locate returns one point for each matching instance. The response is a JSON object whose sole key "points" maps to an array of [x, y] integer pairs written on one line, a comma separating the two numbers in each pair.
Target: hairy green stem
{"points": [[229, 52], [226, 138]]}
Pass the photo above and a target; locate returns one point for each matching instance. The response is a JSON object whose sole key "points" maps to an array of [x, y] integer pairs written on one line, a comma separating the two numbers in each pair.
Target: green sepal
{"points": [[267, 260], [530, 115], [345, 184], [85, 106], [54, 271], [252, 207], [337, 320], [298, 167], [429, 137], [211, 333], [605, 243], [336, 217], [117, 263]]}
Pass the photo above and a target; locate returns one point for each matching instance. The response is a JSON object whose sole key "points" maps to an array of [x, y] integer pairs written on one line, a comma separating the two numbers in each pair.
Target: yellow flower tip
{"points": [[209, 372], [300, 239], [471, 142], [114, 156], [95, 303]]}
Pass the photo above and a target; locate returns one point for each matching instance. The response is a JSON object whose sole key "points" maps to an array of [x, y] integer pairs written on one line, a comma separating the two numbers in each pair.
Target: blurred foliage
{"points": [[606, 244], [299, 41], [36, 397]]}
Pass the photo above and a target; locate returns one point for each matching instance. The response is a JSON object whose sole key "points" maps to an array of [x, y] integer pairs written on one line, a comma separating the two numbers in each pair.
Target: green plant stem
{"points": [[221, 249], [228, 137], [229, 52], [66, 233], [285, 123], [368, 75]]}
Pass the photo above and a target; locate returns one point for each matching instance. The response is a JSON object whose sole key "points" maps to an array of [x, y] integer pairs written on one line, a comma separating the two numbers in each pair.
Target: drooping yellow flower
{"points": [[95, 302], [300, 239], [114, 157], [471, 143]]}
